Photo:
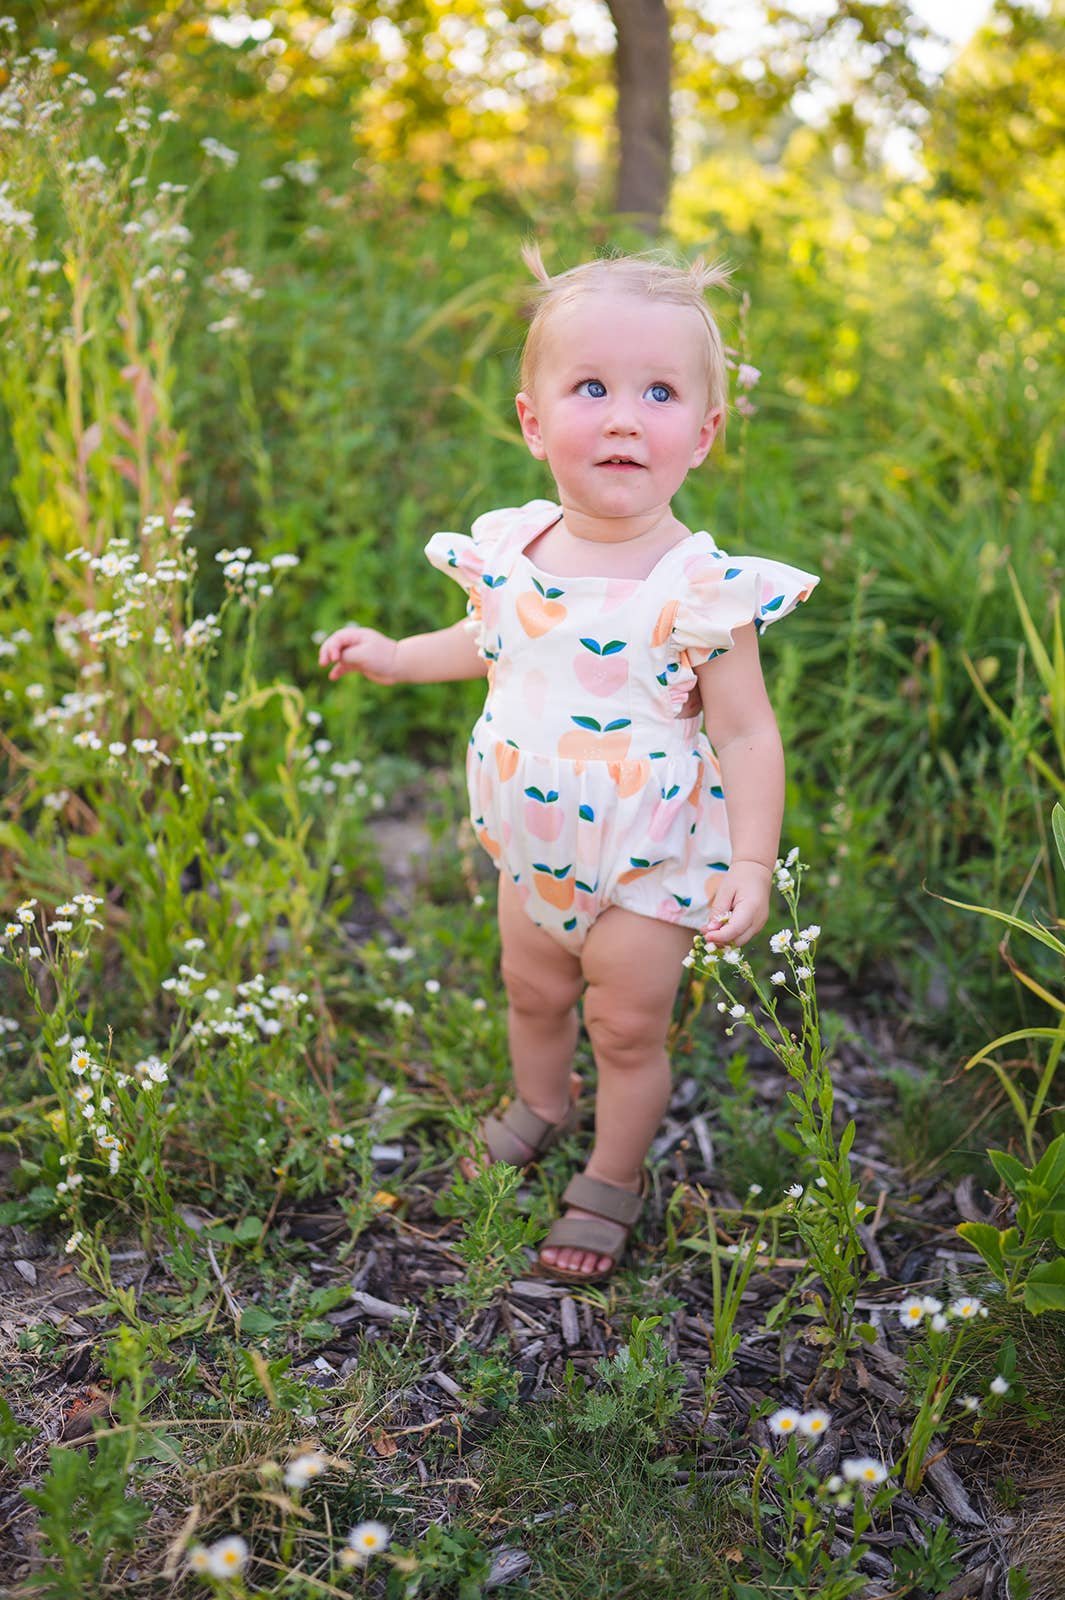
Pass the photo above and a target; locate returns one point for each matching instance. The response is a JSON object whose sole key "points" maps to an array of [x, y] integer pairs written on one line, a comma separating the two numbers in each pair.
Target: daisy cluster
{"points": [[797, 949], [913, 1310], [133, 574], [796, 945], [269, 1008], [95, 1105], [37, 93], [236, 287], [227, 1557], [24, 111], [320, 777], [94, 1079], [11, 646], [142, 579], [73, 917], [809, 1425], [244, 575]]}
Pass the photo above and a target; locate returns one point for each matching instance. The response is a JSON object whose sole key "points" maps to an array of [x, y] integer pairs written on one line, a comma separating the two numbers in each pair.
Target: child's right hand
{"points": [[364, 650]]}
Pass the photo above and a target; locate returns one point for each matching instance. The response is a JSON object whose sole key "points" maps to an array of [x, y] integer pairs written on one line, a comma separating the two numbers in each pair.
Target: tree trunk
{"points": [[643, 114]]}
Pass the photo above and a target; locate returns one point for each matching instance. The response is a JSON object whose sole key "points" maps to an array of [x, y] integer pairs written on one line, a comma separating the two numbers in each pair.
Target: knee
{"points": [[539, 994], [625, 1034]]}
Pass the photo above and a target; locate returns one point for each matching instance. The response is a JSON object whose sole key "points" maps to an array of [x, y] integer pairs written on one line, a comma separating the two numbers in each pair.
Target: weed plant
{"points": [[321, 360]]}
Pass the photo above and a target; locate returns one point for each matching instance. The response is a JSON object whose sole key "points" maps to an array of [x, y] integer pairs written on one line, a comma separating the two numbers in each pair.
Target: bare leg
{"points": [[632, 965], [543, 983]]}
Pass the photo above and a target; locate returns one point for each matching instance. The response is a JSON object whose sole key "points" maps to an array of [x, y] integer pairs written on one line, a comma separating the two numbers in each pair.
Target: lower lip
{"points": [[621, 466]]}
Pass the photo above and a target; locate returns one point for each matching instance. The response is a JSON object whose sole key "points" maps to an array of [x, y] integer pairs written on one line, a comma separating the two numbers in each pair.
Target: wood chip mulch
{"points": [[911, 1245]]}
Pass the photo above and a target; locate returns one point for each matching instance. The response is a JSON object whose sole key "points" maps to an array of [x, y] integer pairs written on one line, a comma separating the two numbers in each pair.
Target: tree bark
{"points": [[644, 121]]}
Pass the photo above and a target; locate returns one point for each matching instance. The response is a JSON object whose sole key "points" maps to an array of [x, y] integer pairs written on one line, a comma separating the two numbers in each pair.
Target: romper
{"points": [[585, 785]]}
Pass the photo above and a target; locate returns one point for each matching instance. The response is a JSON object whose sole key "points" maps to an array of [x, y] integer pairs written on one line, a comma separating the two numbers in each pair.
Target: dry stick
{"points": [[227, 1294]]}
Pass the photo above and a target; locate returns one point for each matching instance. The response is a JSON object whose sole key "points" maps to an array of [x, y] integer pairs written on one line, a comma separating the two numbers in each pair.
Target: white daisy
{"points": [[864, 1469], [226, 1558]]}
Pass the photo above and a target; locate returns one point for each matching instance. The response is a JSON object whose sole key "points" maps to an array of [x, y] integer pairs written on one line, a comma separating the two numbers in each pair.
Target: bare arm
{"points": [[746, 740], [439, 657]]}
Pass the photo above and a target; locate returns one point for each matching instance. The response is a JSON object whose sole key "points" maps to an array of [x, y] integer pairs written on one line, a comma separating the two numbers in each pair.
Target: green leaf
{"points": [[329, 1297], [1049, 1171], [1045, 1288], [1033, 929], [254, 1319], [1009, 1169], [162, 1447], [1012, 1248], [1057, 823], [15, 839], [983, 1237], [249, 1230], [318, 1330]]}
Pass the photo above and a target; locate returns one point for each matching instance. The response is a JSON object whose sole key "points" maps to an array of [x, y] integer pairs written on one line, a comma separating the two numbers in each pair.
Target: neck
{"points": [[617, 530]]}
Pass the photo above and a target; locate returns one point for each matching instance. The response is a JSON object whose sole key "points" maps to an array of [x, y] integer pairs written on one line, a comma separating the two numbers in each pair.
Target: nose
{"points": [[622, 417]]}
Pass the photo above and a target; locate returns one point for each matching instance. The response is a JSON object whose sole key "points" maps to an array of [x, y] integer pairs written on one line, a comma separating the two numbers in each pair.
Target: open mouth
{"points": [[620, 461]]}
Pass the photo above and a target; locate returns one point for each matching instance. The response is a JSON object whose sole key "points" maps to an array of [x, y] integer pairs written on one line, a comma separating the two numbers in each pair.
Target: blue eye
{"points": [[660, 392], [592, 389]]}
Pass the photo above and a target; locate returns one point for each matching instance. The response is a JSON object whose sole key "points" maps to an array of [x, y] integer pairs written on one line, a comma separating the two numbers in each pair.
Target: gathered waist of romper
{"points": [[596, 741]]}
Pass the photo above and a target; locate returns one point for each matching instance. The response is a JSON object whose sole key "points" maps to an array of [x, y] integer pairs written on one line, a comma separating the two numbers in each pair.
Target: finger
{"points": [[744, 923]]}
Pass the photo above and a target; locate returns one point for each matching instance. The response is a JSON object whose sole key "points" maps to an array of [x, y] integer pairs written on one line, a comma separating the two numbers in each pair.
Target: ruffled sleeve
{"points": [[480, 560], [722, 593]]}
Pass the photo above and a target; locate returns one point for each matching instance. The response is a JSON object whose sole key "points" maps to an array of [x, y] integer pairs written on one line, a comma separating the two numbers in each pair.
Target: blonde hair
{"points": [[651, 274]]}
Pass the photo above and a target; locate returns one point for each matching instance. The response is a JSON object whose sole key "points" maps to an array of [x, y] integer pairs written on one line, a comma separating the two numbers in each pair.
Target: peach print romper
{"points": [[584, 783]]}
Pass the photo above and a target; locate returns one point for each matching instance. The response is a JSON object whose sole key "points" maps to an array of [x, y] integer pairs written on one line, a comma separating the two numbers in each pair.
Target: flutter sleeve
{"points": [[723, 593], [479, 560], [462, 557]]}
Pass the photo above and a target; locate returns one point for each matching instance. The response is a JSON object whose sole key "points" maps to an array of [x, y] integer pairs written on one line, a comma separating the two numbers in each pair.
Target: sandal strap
{"points": [[605, 1199], [585, 1233], [519, 1123]]}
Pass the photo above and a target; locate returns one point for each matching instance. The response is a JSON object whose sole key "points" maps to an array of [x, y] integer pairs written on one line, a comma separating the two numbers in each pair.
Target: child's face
{"points": [[618, 404]]}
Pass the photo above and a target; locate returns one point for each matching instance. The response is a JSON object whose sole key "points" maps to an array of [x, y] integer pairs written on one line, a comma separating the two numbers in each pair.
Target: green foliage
{"points": [[1017, 1256], [495, 1236], [641, 1394], [928, 1564], [87, 1515], [12, 1434], [1029, 1112], [325, 362], [811, 1560], [827, 1211], [88, 1512]]}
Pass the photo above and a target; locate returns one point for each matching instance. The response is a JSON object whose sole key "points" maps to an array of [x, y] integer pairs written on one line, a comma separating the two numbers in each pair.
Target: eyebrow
{"points": [[589, 369]]}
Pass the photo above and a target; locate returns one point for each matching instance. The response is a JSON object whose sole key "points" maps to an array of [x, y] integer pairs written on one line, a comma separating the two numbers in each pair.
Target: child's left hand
{"points": [[740, 906]]}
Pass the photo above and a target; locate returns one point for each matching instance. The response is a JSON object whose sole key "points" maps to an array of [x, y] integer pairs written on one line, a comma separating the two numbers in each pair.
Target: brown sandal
{"points": [[616, 1207], [520, 1137]]}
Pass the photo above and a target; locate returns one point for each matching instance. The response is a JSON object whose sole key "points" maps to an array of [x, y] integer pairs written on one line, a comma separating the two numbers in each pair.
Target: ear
{"points": [[707, 434], [530, 426]]}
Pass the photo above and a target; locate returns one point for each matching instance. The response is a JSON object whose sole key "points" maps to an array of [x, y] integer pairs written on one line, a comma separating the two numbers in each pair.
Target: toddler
{"points": [[608, 631]]}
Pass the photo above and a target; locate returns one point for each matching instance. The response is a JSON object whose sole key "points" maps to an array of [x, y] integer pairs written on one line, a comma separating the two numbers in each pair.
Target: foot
{"points": [[524, 1152], [587, 1263]]}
